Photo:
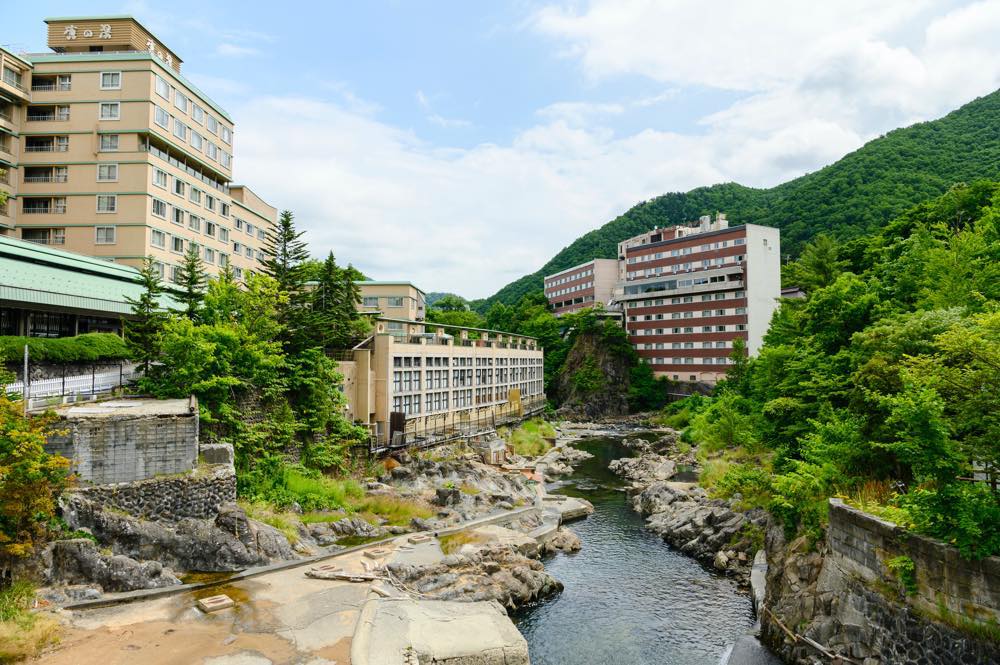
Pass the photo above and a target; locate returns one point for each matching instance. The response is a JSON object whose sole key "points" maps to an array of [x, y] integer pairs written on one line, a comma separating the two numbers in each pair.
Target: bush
{"points": [[529, 440], [90, 347], [22, 633], [965, 515]]}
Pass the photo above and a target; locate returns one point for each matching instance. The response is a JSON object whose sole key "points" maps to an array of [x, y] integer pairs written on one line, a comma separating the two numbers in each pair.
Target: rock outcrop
{"points": [[495, 571], [230, 542], [595, 378], [78, 562]]}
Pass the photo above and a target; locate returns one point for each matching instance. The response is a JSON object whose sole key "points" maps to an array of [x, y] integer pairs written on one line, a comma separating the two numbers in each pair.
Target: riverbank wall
{"points": [[872, 593]]}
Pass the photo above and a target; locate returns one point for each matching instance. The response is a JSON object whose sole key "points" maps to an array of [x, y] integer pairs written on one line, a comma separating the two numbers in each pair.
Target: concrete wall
{"points": [[126, 448], [763, 265], [863, 544]]}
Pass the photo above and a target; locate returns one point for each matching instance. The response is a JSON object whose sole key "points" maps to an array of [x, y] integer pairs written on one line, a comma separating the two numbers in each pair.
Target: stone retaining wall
{"points": [[863, 544], [197, 494]]}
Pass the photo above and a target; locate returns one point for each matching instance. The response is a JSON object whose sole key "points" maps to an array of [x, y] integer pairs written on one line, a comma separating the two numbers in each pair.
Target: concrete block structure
{"points": [[109, 151], [124, 441], [585, 285]]}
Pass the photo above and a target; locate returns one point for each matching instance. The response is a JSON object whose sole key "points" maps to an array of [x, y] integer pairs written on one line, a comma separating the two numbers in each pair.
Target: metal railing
{"points": [[47, 210], [435, 429], [93, 383], [48, 117], [46, 178], [46, 148], [10, 80]]}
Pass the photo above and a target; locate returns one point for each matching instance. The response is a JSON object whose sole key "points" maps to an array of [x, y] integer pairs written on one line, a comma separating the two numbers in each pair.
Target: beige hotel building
{"points": [[109, 151]]}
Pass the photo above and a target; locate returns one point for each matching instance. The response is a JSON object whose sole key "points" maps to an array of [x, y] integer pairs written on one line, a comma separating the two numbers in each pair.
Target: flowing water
{"points": [[630, 599]]}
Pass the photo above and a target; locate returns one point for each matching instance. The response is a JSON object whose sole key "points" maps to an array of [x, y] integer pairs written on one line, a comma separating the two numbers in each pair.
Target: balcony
{"points": [[44, 207], [5, 113], [12, 80], [47, 177], [48, 114], [46, 148]]}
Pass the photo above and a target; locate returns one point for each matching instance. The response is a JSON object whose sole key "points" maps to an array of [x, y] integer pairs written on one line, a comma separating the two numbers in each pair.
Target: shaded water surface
{"points": [[630, 599]]}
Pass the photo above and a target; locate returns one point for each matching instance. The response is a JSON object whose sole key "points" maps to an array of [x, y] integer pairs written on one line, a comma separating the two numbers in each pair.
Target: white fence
{"points": [[78, 384]]}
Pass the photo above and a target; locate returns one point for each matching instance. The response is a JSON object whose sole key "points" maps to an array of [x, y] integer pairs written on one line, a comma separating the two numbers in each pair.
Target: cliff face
{"points": [[594, 380], [847, 596]]}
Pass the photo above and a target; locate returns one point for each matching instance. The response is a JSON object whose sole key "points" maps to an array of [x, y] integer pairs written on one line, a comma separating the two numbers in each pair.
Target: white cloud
{"points": [[436, 118], [816, 82], [235, 50]]}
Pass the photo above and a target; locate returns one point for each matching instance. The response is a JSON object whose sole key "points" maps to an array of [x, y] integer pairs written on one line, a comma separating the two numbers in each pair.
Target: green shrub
{"points": [[905, 571], [529, 440], [90, 347]]}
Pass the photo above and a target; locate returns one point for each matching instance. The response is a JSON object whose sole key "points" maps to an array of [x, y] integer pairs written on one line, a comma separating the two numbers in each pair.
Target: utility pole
{"points": [[24, 382]]}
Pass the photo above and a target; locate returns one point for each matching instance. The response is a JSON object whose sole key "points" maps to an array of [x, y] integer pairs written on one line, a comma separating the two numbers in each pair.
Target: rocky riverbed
{"points": [[717, 532]]}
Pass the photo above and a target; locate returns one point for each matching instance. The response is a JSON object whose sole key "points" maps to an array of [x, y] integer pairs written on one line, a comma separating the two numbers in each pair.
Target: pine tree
{"points": [[192, 279], [285, 251], [143, 331]]}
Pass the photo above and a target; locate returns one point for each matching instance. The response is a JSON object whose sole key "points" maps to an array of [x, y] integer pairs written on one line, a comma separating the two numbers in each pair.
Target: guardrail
{"points": [[77, 384]]}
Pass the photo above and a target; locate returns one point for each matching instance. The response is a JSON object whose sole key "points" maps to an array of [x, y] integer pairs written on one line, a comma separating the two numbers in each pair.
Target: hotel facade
{"points": [[110, 152], [585, 285], [688, 292], [413, 383]]}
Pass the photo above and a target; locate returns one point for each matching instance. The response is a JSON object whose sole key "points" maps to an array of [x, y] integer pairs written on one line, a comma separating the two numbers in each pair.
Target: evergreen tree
{"points": [[334, 306], [286, 254], [192, 279], [143, 332]]}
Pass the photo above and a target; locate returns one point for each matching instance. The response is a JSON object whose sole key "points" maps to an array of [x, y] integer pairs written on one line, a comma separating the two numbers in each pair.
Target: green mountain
{"points": [[852, 197]]}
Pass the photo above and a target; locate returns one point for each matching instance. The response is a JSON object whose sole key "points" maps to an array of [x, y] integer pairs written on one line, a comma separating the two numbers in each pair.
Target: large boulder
{"points": [[78, 561]]}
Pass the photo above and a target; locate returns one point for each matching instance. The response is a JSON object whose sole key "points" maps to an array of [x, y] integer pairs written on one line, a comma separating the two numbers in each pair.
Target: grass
{"points": [[23, 634], [322, 491], [284, 521], [529, 440], [453, 542], [466, 488], [396, 510]]}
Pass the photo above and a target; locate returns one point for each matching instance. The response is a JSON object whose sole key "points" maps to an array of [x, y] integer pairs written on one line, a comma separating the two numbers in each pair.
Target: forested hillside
{"points": [[849, 198]]}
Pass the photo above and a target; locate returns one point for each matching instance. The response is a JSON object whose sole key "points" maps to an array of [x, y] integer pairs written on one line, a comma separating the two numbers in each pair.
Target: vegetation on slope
{"points": [[848, 199], [881, 386]]}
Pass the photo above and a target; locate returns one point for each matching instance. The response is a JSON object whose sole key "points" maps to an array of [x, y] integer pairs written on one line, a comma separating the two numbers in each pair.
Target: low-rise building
{"points": [[392, 300], [585, 285], [46, 292], [413, 382]]}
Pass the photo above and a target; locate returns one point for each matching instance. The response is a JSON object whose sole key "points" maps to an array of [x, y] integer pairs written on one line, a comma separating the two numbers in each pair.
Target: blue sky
{"points": [[461, 144]]}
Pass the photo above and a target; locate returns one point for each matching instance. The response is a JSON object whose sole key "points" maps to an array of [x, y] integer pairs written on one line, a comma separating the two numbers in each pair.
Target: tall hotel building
{"points": [[582, 286], [109, 151], [689, 292]]}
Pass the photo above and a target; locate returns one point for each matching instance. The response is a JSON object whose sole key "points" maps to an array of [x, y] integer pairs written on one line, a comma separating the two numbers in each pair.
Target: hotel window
{"points": [[209, 228], [238, 249], [211, 150], [260, 234], [197, 113], [394, 301], [107, 203], [224, 210], [177, 245], [195, 195], [249, 252], [179, 187], [181, 100], [162, 87], [194, 223], [104, 235], [196, 141], [159, 208], [223, 259], [175, 273], [178, 217], [239, 224], [250, 229], [212, 124], [107, 173], [210, 202], [369, 301], [111, 80], [209, 256], [226, 159], [157, 238], [160, 178], [223, 234], [180, 130], [227, 135], [741, 327], [109, 142], [161, 117], [110, 110]]}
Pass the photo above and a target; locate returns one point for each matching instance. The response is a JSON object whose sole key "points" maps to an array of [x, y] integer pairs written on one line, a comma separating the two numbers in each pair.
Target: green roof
{"points": [[33, 274]]}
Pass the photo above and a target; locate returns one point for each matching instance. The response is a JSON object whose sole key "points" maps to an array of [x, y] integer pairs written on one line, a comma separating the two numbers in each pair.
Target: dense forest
{"points": [[848, 199], [880, 387]]}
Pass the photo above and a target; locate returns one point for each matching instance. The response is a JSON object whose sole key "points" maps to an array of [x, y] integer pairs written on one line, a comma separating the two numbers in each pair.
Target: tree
{"points": [[818, 266], [333, 307], [191, 278], [30, 480], [451, 303], [144, 330], [285, 253]]}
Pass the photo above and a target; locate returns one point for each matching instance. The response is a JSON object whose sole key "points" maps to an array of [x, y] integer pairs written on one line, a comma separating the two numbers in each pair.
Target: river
{"points": [[631, 599]]}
